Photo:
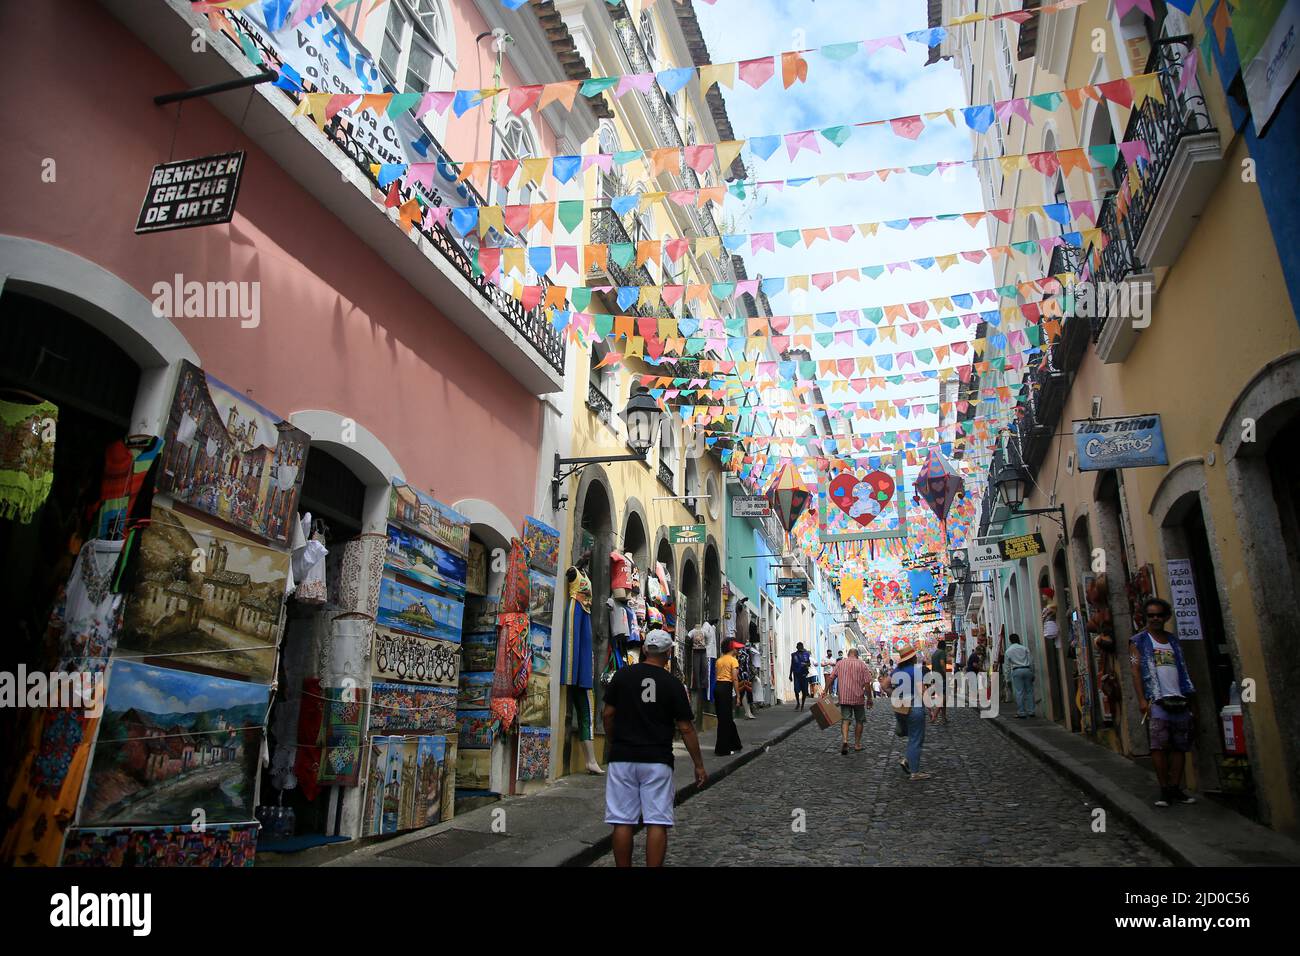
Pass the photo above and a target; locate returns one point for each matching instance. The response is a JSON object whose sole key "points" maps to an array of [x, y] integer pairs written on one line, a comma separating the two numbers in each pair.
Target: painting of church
{"points": [[229, 457]]}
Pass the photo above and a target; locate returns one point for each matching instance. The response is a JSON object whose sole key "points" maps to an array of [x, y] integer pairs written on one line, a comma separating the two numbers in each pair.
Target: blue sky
{"points": [[885, 84]]}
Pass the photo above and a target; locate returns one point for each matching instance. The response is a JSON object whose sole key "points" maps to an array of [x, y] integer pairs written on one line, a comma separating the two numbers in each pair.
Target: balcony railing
{"points": [[532, 324], [666, 477], [599, 404], [1162, 126]]}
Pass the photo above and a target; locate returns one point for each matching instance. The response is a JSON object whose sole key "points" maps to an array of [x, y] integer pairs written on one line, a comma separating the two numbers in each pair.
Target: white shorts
{"points": [[639, 793]]}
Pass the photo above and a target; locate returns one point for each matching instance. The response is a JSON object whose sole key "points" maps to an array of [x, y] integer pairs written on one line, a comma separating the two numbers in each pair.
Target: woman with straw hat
{"points": [[904, 687]]}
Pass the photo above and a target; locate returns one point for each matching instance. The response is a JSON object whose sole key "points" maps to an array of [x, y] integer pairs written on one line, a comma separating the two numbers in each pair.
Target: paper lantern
{"points": [[788, 495], [938, 484]]}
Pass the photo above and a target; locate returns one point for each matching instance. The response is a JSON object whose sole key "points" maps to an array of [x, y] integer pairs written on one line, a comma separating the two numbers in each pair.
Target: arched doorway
{"points": [[593, 540], [1051, 647], [1065, 650], [1258, 437]]}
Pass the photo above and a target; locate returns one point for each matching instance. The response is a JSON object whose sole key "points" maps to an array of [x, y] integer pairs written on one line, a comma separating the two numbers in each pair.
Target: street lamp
{"points": [[642, 417], [1011, 482]]}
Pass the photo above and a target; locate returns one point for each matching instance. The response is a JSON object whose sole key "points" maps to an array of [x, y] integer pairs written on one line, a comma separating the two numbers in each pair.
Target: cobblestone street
{"points": [[987, 803]]}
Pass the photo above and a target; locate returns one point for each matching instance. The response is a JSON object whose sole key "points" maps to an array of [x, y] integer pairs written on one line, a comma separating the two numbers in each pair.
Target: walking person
{"points": [[1021, 666], [851, 677], [800, 662], [828, 675], [1165, 695], [745, 683], [644, 704], [939, 664], [814, 678], [725, 694], [905, 689]]}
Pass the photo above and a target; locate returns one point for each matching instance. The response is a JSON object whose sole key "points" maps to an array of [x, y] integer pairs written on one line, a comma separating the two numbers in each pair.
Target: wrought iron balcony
{"points": [[598, 403], [532, 324], [1162, 125]]}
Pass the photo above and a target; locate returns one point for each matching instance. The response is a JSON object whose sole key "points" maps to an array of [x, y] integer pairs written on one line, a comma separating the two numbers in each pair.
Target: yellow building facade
{"points": [[1200, 330]]}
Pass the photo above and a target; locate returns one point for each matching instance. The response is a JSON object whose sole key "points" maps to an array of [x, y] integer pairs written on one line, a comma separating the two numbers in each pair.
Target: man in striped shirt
{"points": [[852, 678]]}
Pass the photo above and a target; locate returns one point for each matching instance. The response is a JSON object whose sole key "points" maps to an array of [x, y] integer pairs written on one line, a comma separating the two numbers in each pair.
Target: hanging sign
{"points": [[1021, 546], [1182, 588], [985, 556], [191, 192], [1136, 441], [1270, 56], [791, 587], [686, 534], [750, 506]]}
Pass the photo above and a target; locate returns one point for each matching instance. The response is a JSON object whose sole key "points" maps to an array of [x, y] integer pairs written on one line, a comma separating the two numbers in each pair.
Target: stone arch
{"points": [[367, 457], [112, 307], [592, 475], [1265, 512], [636, 523], [711, 577]]}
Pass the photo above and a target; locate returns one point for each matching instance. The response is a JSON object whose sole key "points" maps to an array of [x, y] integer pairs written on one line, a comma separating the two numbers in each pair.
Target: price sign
{"points": [[750, 506], [1182, 588]]}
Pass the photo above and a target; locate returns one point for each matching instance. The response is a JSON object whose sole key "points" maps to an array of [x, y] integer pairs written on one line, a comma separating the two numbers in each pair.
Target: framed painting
{"points": [[481, 615], [543, 545], [206, 591], [408, 658], [476, 729], [473, 770], [214, 845], [541, 597], [534, 753], [416, 511], [408, 707], [476, 574], [170, 741], [478, 652], [229, 457], [475, 691], [419, 558], [405, 607]]}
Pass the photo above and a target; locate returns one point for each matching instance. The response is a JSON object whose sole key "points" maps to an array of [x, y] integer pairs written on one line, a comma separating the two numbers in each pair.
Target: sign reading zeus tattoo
{"points": [[191, 192]]}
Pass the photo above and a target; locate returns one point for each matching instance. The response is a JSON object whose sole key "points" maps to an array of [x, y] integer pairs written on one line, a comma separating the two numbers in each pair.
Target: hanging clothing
{"points": [[44, 796], [308, 566], [580, 589], [26, 458], [575, 657], [127, 472]]}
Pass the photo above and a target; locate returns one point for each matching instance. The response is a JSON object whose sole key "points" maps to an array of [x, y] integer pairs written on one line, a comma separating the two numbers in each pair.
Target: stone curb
{"points": [[1066, 766], [602, 846]]}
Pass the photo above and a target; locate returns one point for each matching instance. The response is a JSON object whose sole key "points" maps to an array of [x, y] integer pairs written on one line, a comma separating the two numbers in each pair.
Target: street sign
{"points": [[1137, 441], [750, 506], [1021, 546], [984, 557], [791, 587], [1182, 588], [686, 534], [191, 192]]}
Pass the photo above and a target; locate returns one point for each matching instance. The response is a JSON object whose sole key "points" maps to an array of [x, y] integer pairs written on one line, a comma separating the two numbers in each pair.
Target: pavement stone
{"points": [[988, 803]]}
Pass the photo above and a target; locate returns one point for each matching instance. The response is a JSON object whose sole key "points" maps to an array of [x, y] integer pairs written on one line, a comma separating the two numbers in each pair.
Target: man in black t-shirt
{"points": [[644, 704]]}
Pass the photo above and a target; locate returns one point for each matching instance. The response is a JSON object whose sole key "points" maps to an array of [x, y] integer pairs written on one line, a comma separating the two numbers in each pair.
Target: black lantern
{"points": [[1011, 482], [642, 417]]}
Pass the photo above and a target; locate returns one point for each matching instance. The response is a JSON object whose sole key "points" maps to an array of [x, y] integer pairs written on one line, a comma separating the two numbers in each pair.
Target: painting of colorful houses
{"points": [[205, 591], [171, 741], [229, 457], [416, 511]]}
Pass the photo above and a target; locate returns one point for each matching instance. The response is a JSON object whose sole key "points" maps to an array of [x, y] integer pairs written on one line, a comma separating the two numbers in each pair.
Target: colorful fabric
{"points": [[214, 845], [340, 763], [513, 663], [26, 458], [127, 470], [311, 718], [514, 593], [576, 650], [43, 800]]}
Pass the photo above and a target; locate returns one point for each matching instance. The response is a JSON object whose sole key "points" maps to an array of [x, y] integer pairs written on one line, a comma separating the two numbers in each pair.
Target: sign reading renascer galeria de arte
{"points": [[191, 192], [1135, 441]]}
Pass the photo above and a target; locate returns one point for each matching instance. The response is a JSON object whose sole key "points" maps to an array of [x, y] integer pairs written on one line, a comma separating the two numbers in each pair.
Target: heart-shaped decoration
{"points": [[862, 498]]}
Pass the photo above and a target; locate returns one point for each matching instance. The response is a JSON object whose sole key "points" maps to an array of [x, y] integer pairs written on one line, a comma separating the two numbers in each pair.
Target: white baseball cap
{"points": [[658, 640]]}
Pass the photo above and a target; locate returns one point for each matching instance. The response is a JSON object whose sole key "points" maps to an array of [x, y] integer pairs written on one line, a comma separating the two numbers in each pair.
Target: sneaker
{"points": [[1162, 800], [920, 775], [1180, 796]]}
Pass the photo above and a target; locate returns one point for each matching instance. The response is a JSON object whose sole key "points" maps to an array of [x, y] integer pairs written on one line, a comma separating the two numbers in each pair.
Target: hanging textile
{"points": [[127, 471], [45, 791], [513, 667], [26, 458]]}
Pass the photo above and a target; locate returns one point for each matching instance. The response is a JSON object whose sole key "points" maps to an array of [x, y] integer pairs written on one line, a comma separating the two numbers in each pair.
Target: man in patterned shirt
{"points": [[851, 678]]}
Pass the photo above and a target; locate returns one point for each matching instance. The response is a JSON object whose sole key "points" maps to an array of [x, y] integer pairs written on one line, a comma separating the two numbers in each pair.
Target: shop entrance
{"points": [[51, 355], [1051, 646], [335, 499]]}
